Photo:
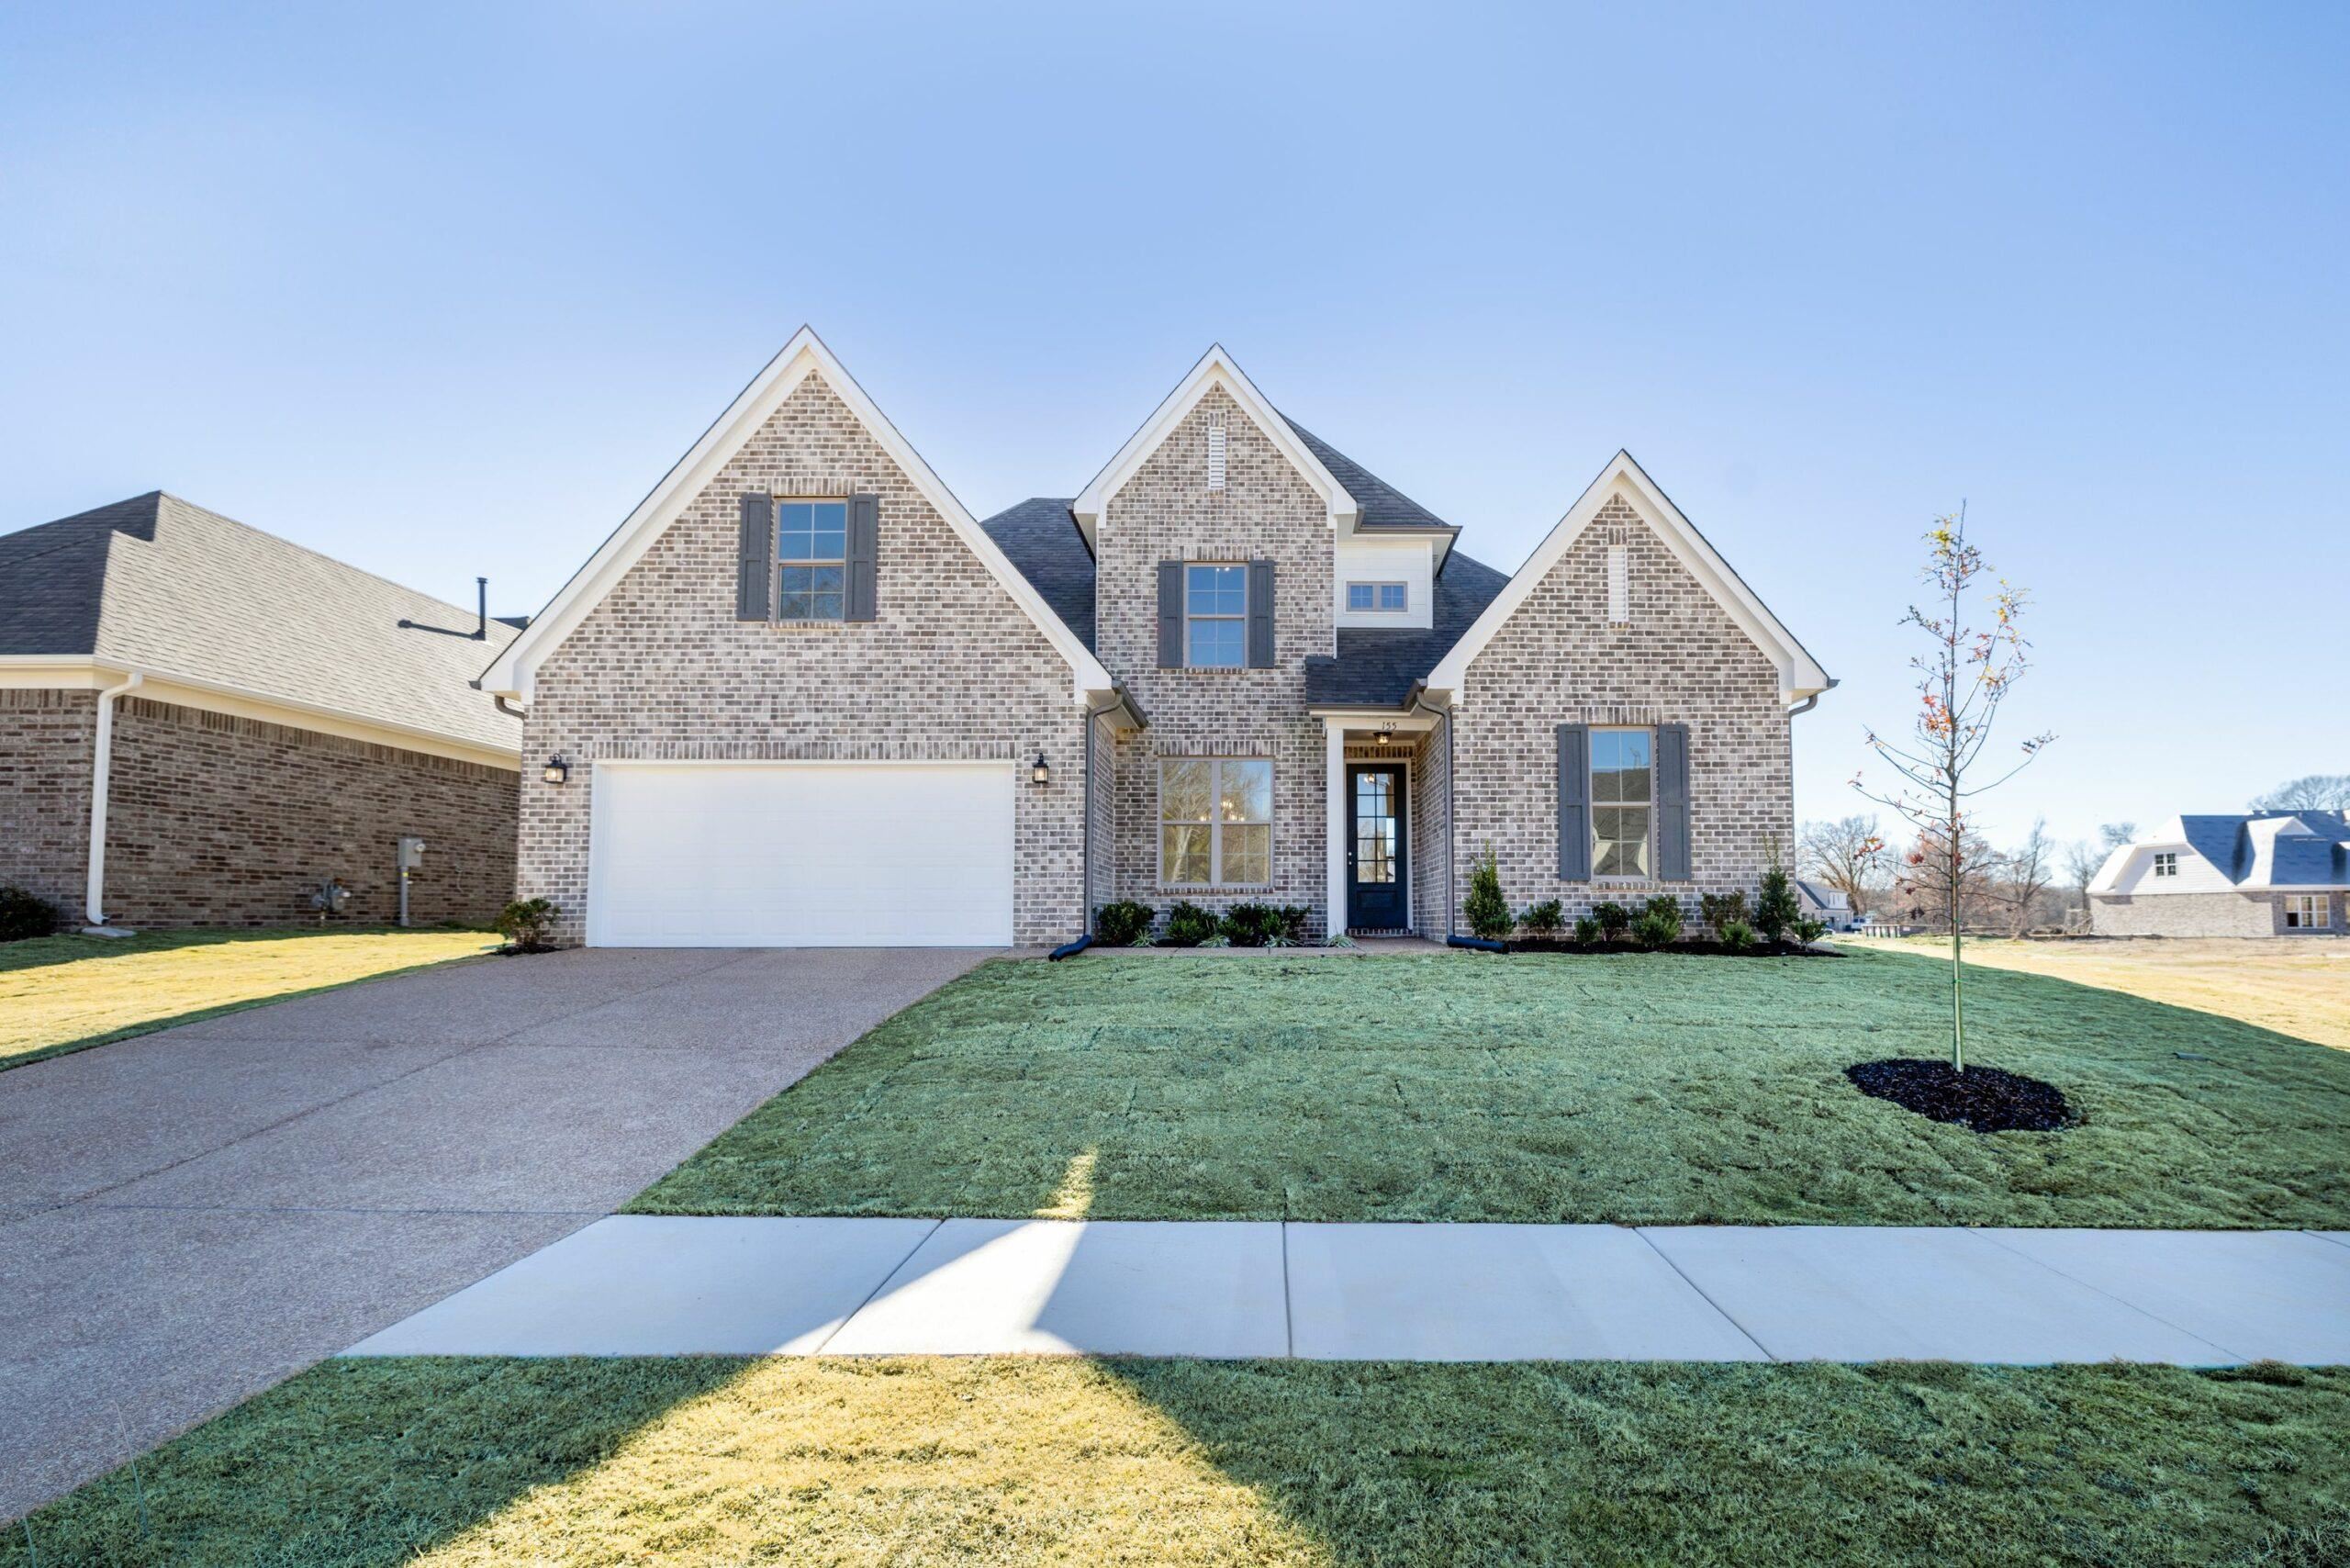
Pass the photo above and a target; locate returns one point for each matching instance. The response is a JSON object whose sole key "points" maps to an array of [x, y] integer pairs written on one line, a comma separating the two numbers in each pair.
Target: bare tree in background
{"points": [[1844, 854], [2030, 870], [2310, 792], [2113, 835], [2083, 860], [1963, 677]]}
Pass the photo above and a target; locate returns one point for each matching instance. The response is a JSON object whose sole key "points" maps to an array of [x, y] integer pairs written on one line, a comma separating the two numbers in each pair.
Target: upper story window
{"points": [[2165, 864], [1392, 598], [1623, 797], [811, 560], [1215, 617]]}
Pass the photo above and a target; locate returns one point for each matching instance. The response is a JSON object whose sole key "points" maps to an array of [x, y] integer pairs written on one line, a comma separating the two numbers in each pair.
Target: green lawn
{"points": [[1458, 1087], [65, 993], [708, 1461]]}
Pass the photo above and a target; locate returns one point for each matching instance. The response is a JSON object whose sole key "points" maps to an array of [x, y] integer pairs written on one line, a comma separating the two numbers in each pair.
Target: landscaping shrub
{"points": [[1808, 930], [524, 925], [1543, 919], [1776, 910], [1614, 919], [1719, 910], [1586, 929], [22, 916], [1488, 912], [1660, 923], [1122, 924], [1737, 936], [1188, 924], [1264, 925]]}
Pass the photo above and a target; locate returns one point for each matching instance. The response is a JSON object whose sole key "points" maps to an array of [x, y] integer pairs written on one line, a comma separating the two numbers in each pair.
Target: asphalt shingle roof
{"points": [[1040, 536], [156, 583], [1384, 506], [1377, 666]]}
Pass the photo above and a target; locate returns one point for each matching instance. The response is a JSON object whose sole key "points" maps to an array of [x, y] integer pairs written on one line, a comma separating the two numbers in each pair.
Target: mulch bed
{"points": [[1982, 1098], [1696, 949]]}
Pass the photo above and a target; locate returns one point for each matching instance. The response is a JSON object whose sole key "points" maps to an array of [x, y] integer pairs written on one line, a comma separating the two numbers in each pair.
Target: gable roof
{"points": [[1040, 538], [1821, 895], [1216, 368], [2255, 851], [510, 673], [1799, 674], [164, 587]]}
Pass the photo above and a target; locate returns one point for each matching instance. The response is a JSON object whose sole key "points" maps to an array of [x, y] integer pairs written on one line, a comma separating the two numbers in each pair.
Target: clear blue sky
{"points": [[444, 290]]}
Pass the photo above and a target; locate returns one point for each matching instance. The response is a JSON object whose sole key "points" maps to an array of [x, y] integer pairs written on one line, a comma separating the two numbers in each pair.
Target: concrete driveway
{"points": [[188, 1218]]}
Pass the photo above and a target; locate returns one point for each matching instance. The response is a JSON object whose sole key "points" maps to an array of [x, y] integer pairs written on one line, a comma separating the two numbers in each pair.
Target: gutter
{"points": [[93, 895]]}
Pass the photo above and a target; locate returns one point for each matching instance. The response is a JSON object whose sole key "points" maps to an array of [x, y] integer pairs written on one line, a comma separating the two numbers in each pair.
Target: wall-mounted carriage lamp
{"points": [[557, 771], [1040, 771]]}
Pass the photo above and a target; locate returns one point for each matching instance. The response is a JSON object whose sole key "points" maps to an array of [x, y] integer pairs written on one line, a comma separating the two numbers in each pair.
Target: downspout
{"points": [[1084, 937], [94, 896]]}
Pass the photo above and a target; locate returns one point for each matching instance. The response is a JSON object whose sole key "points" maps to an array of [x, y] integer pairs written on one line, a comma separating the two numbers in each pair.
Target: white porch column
{"points": [[1334, 752]]}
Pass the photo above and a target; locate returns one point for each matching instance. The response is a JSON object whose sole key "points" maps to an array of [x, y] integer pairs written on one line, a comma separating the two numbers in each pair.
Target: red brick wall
{"points": [[45, 747], [213, 820]]}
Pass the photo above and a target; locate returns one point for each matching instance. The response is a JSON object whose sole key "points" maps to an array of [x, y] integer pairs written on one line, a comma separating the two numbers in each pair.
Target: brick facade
{"points": [[2204, 914], [1680, 659], [1266, 511], [218, 820], [951, 669], [47, 741]]}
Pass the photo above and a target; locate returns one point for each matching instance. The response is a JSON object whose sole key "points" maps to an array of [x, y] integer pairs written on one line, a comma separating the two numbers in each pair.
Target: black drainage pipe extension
{"points": [[1070, 949], [1477, 942]]}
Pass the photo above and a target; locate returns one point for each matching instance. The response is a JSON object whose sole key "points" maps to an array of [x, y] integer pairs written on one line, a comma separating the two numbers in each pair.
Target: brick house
{"points": [[245, 719], [802, 696], [2245, 874]]}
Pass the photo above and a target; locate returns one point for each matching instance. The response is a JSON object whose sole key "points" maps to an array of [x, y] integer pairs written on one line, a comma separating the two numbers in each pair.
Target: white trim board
{"points": [[511, 674], [1799, 675], [1215, 369]]}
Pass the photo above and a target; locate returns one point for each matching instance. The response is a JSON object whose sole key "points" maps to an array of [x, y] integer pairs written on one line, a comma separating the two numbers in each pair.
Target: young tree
{"points": [[2030, 868], [2312, 792], [1844, 854], [1924, 890], [2083, 860], [1963, 677]]}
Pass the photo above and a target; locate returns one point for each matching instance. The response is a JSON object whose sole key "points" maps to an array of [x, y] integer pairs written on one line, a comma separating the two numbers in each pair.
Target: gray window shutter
{"points": [[755, 558], [1261, 615], [864, 558], [1672, 802], [1170, 615], [1574, 806]]}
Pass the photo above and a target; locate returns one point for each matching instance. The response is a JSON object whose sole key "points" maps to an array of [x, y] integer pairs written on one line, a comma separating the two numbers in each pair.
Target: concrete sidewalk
{"points": [[646, 1286]]}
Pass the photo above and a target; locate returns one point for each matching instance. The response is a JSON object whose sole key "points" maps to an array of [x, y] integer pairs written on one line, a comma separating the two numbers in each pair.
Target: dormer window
{"points": [[2165, 864], [1381, 598]]}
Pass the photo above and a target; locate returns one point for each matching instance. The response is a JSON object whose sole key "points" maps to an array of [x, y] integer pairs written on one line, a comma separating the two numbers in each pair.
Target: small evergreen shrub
{"points": [[1776, 910], [23, 916], [1662, 912], [1488, 912], [1586, 929], [1612, 917], [1122, 924], [1543, 920], [524, 925], [1737, 936], [1265, 925], [1719, 910], [1189, 925], [1808, 930], [1653, 930]]}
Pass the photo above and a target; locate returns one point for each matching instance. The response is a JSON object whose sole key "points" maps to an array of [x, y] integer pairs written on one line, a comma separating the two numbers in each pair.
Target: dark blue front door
{"points": [[1376, 848]]}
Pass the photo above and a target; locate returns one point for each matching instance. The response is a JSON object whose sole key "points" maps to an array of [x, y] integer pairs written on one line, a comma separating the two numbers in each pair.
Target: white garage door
{"points": [[800, 855]]}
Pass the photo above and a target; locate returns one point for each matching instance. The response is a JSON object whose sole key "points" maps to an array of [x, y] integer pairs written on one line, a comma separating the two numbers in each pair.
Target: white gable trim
{"points": [[1799, 674], [511, 675], [1216, 369]]}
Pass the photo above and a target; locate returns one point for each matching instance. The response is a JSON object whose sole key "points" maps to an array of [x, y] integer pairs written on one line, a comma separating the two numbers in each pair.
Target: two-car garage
{"points": [[724, 854]]}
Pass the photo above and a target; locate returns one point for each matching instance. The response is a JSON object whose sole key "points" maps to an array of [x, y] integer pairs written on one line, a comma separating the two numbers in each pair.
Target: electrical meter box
{"points": [[411, 854]]}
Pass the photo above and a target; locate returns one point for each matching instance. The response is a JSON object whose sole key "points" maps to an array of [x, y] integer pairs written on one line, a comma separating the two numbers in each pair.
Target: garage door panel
{"points": [[800, 855]]}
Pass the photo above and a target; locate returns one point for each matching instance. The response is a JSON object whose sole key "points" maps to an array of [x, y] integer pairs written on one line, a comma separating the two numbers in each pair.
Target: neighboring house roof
{"points": [[160, 586], [1821, 895], [512, 673], [2253, 851], [1040, 537], [1380, 666]]}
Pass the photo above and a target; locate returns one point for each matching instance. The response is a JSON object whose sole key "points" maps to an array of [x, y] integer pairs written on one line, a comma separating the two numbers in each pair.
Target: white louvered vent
{"points": [[1620, 585], [1215, 454]]}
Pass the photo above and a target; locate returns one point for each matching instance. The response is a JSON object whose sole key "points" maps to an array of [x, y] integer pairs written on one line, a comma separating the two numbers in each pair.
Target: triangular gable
{"points": [[1799, 674], [511, 675], [1216, 369]]}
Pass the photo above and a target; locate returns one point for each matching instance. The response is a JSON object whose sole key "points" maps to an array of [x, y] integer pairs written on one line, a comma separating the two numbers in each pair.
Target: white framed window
{"points": [[811, 560], [1215, 617], [1383, 599], [2308, 912], [1622, 803], [2166, 863], [1215, 821]]}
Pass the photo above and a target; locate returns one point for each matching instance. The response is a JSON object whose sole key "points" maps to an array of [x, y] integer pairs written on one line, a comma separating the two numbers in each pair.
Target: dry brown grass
{"points": [[2297, 986]]}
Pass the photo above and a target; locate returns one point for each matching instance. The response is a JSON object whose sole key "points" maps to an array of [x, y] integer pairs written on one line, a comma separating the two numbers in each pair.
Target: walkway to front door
{"points": [[1378, 857]]}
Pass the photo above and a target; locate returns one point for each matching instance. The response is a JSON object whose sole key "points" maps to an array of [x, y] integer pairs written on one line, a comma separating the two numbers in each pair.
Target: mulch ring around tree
{"points": [[1982, 1098], [1695, 949]]}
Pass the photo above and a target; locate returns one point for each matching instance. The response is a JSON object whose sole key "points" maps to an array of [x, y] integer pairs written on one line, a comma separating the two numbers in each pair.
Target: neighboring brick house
{"points": [[802, 696], [269, 718], [2250, 874]]}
